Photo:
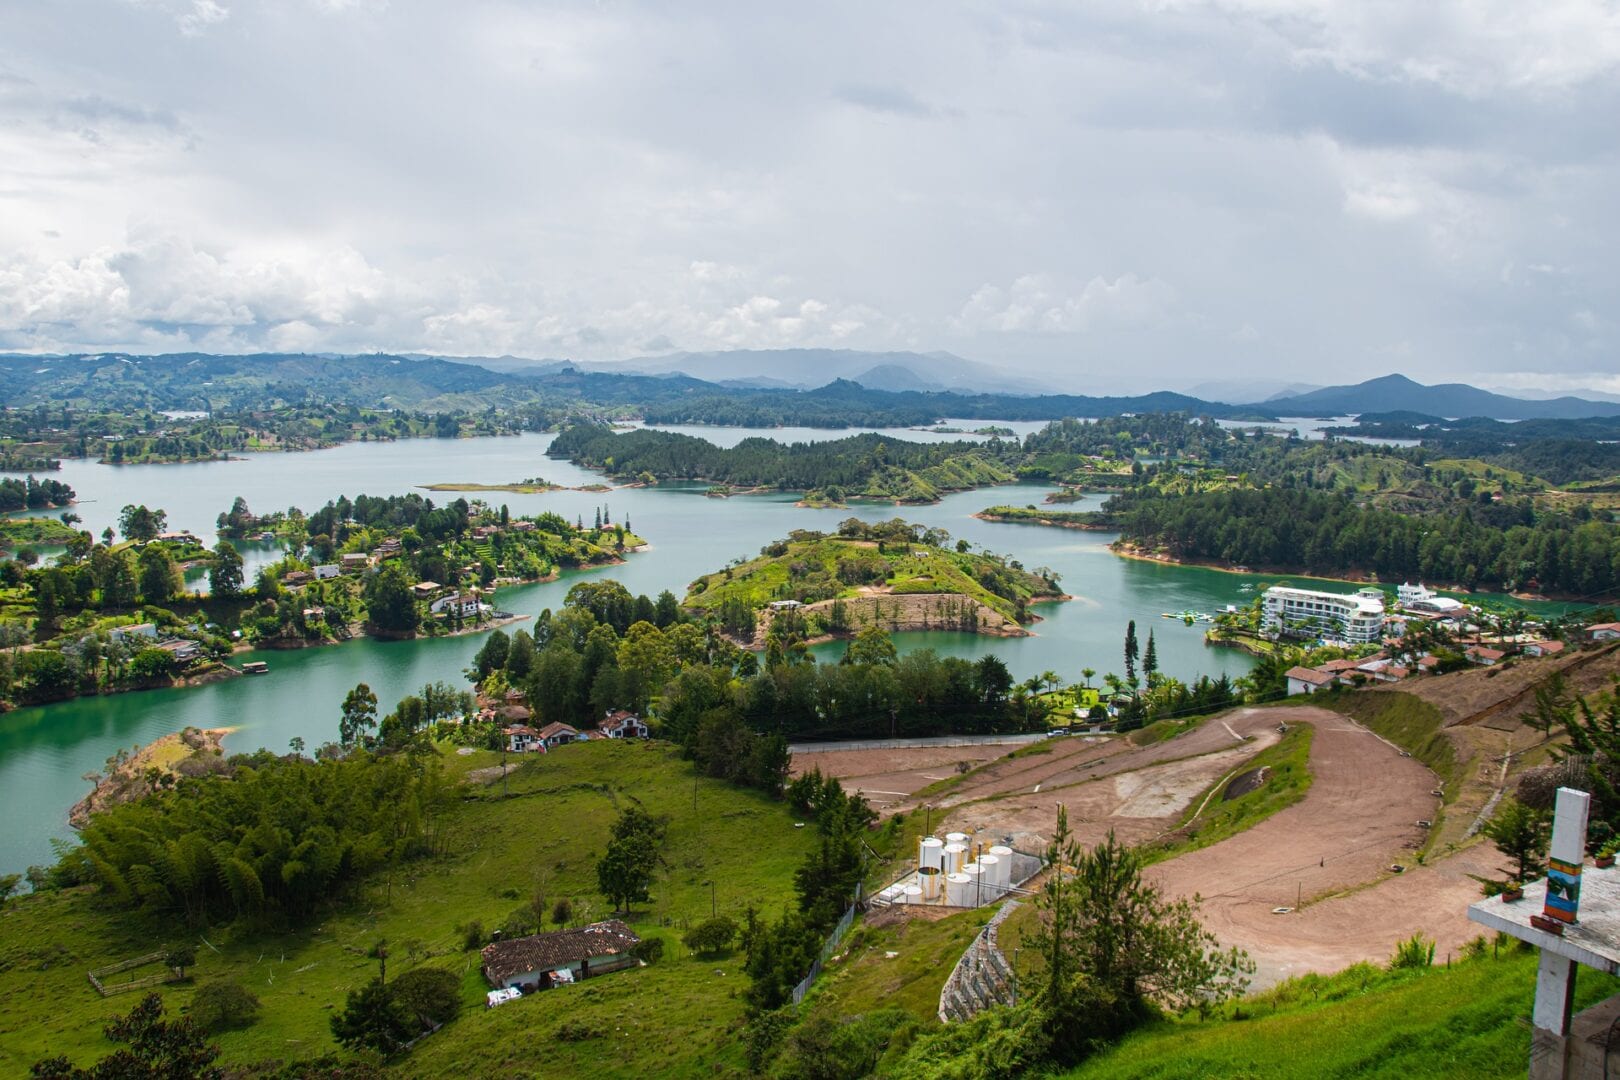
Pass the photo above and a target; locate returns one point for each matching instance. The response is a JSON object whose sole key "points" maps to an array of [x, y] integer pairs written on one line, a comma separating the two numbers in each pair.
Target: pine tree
{"points": [[1131, 652], [1150, 660]]}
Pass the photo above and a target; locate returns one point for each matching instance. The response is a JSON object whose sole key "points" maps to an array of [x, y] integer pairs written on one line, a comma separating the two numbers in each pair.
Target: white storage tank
{"points": [[955, 856], [957, 838], [929, 879], [1005, 855], [977, 888], [912, 895], [931, 852], [993, 872], [956, 891]]}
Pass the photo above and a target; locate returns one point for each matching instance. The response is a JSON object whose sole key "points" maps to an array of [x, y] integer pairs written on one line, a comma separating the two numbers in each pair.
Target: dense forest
{"points": [[32, 494], [860, 466], [1508, 545]]}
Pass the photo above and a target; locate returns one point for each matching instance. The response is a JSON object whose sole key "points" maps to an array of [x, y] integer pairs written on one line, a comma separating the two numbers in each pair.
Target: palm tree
{"points": [[1050, 680], [1087, 673]]}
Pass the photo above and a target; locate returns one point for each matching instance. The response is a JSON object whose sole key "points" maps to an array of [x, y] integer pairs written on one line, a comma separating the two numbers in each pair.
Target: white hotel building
{"points": [[1357, 619]]}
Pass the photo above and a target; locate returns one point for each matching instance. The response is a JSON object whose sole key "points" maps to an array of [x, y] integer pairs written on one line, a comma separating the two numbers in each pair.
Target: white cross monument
{"points": [[1573, 918]]}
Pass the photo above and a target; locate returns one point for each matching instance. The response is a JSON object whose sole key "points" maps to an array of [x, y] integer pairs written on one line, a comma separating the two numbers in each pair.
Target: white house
{"points": [[622, 725], [327, 571], [555, 734], [464, 604], [133, 635], [522, 739], [1357, 619], [1603, 631], [1304, 680]]}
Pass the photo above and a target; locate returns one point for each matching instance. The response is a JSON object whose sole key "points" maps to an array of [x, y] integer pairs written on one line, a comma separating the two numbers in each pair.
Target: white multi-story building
{"points": [[1417, 598], [1357, 619]]}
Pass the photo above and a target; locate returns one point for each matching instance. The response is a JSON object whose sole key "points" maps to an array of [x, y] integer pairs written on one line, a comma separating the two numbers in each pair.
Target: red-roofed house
{"points": [[622, 725], [1304, 680], [1603, 631], [1484, 656], [1544, 648]]}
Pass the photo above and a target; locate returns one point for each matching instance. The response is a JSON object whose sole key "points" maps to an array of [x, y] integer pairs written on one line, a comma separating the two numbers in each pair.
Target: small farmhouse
{"points": [[622, 725], [354, 560], [555, 734], [522, 739], [1603, 631], [327, 571], [183, 651], [1304, 680], [541, 961], [463, 604]]}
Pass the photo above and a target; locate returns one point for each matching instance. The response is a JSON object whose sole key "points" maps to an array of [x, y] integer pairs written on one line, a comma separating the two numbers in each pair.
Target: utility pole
{"points": [[714, 910]]}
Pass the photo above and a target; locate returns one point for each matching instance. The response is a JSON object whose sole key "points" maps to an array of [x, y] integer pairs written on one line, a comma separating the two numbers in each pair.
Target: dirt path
{"points": [[1359, 817]]}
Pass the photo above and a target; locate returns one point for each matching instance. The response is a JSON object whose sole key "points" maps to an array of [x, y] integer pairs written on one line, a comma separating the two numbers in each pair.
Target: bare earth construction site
{"points": [[1371, 854]]}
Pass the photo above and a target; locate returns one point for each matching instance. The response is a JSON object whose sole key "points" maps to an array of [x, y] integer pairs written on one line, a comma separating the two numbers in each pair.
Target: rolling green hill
{"points": [[676, 1017]]}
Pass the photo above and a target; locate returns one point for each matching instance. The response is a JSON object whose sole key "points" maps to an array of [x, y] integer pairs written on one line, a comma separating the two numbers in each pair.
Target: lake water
{"points": [[44, 751]]}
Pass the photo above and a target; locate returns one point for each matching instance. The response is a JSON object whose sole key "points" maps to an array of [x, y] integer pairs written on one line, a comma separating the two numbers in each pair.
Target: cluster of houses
{"points": [[522, 738], [1392, 664]]}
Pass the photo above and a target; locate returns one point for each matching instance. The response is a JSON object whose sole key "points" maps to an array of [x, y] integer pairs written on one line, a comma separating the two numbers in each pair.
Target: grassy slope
{"points": [[1469, 1020], [867, 978], [763, 579], [555, 824]]}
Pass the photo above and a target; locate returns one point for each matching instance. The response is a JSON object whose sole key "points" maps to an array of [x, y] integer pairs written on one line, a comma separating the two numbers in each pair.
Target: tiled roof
{"points": [[544, 952]]}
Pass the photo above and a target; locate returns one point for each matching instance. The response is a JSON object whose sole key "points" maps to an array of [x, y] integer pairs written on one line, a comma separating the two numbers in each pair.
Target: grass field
{"points": [[544, 838], [868, 978], [1466, 1021]]}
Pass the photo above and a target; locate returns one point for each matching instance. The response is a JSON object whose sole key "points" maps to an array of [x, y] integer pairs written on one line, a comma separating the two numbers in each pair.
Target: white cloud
{"points": [[1041, 304]]}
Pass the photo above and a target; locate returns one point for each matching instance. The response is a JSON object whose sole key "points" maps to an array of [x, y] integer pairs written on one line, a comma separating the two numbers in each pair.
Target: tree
{"points": [[151, 664], [225, 575], [156, 1049], [359, 715], [159, 576], [1150, 660], [430, 994], [1520, 833], [711, 936], [1131, 653], [8, 885], [221, 1006], [180, 957], [872, 646], [390, 604], [373, 1018], [141, 525], [625, 871], [1112, 944], [1088, 674]]}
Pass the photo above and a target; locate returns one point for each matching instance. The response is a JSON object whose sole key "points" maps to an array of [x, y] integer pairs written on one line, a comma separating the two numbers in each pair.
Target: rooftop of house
{"points": [[557, 728], [545, 952], [1311, 675]]}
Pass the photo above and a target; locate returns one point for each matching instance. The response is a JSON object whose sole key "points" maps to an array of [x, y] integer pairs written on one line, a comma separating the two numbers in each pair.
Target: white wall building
{"points": [[1417, 598], [1357, 619]]}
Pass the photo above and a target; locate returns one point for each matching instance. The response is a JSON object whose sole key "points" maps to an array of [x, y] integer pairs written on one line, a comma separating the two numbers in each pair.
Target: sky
{"points": [[1112, 195]]}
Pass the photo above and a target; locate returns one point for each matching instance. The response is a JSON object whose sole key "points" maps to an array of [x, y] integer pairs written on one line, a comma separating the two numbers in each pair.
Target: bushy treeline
{"points": [[1322, 533], [276, 838], [32, 494], [848, 464]]}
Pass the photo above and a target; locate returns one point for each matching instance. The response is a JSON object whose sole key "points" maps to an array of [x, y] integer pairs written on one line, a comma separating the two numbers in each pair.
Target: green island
{"points": [[892, 575], [859, 467], [532, 486], [114, 615], [1032, 515]]}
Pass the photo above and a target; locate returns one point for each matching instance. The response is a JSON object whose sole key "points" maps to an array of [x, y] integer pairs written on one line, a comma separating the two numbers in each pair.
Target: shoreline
{"points": [[1127, 550], [127, 782], [1082, 526]]}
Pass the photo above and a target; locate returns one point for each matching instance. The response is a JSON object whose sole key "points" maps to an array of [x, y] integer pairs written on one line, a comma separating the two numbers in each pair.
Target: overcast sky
{"points": [[1147, 194]]}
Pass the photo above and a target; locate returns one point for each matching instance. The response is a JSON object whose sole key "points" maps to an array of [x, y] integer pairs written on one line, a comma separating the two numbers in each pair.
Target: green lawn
{"points": [[1466, 1021], [545, 837], [867, 978]]}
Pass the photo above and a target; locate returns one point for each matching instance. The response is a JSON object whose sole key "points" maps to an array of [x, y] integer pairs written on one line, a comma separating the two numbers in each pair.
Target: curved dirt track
{"points": [[1359, 817]]}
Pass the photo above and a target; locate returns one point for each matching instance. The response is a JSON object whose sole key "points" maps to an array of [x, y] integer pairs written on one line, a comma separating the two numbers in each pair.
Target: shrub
{"points": [[1416, 951], [472, 935], [577, 1031], [222, 1006], [648, 950], [561, 912], [431, 994], [711, 936]]}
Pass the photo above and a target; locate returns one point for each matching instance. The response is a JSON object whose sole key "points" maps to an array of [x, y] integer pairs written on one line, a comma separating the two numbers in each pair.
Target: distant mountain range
{"points": [[1397, 393], [747, 387]]}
